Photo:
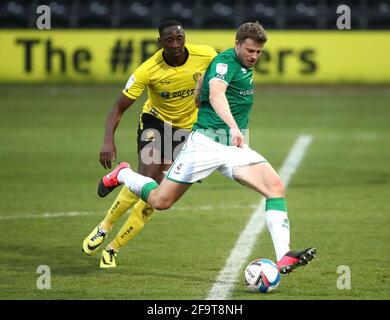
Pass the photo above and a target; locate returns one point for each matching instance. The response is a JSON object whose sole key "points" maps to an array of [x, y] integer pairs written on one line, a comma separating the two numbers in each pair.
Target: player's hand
{"points": [[107, 154], [236, 137]]}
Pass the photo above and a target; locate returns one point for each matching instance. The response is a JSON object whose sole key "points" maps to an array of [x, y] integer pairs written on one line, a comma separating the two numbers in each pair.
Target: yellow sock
{"points": [[123, 202], [140, 214]]}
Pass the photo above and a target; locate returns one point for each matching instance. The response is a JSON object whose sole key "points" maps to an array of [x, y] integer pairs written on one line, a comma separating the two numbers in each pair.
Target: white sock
{"points": [[279, 227], [133, 180]]}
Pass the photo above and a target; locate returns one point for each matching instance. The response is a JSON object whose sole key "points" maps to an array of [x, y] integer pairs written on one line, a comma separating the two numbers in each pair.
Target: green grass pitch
{"points": [[50, 138]]}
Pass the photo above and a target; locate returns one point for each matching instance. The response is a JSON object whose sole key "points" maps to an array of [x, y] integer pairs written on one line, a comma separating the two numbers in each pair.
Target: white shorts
{"points": [[201, 156]]}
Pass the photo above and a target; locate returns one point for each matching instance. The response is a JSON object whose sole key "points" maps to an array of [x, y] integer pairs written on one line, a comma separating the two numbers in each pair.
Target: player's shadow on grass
{"points": [[173, 276], [78, 263], [63, 260], [68, 260]]}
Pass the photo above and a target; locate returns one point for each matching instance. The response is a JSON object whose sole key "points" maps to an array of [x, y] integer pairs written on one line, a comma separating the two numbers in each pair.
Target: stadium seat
{"points": [[62, 12], [378, 14], [17, 14], [219, 14], [198, 14], [137, 14], [184, 11], [301, 14], [264, 11], [95, 14]]}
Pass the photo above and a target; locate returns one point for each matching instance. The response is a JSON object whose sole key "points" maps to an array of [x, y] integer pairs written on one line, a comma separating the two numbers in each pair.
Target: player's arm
{"points": [[198, 90], [220, 104], [133, 89], [108, 151]]}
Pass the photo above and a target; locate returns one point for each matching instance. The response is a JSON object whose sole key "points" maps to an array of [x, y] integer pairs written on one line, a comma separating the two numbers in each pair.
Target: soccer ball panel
{"points": [[262, 275]]}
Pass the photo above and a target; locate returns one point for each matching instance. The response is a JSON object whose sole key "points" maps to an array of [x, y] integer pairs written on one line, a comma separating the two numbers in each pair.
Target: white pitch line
{"points": [[48, 215], [228, 276]]}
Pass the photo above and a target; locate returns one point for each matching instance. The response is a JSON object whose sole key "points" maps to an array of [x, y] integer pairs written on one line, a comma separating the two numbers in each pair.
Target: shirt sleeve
{"points": [[223, 68], [136, 84]]}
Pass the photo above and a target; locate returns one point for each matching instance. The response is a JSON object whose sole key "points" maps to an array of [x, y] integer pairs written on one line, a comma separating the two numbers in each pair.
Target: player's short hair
{"points": [[251, 30], [168, 23]]}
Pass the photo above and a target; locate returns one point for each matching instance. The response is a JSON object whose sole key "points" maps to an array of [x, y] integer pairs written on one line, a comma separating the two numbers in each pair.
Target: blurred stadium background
{"points": [[57, 85], [197, 14]]}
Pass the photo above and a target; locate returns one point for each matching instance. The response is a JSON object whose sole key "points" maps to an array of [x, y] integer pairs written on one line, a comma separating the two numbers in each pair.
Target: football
{"points": [[262, 275]]}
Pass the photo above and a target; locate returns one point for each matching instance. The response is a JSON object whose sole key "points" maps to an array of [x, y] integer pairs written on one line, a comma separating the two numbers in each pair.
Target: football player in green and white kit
{"points": [[217, 142]]}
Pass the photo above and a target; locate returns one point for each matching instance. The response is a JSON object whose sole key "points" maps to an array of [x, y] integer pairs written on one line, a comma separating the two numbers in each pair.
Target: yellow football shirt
{"points": [[171, 89]]}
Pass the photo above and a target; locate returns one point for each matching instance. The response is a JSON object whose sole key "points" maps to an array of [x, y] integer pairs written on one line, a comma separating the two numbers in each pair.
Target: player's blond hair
{"points": [[251, 30]]}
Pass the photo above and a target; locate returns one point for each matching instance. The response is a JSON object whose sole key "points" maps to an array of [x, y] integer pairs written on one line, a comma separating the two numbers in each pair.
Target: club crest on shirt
{"points": [[222, 68]]}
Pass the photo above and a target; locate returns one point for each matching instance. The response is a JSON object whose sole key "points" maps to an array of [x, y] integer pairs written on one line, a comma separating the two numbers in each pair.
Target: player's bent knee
{"points": [[162, 204], [277, 188]]}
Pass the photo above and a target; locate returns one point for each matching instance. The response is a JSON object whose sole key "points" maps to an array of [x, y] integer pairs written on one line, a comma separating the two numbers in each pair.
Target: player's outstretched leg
{"points": [[279, 227], [140, 185], [110, 181], [294, 259]]}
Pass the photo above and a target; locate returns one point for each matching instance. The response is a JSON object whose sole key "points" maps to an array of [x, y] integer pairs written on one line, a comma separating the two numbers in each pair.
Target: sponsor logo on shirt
{"points": [[130, 82], [177, 94], [164, 95], [218, 76], [246, 92]]}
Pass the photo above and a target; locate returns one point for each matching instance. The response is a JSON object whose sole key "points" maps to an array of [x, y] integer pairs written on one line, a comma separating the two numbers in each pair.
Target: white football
{"points": [[262, 275]]}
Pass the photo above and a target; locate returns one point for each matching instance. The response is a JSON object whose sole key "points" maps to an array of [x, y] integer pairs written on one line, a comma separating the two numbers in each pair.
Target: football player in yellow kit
{"points": [[167, 117]]}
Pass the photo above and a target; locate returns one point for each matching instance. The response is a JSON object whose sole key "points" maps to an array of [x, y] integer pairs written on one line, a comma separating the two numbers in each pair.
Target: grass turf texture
{"points": [[50, 138]]}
